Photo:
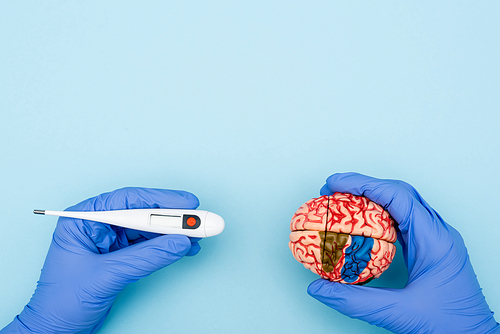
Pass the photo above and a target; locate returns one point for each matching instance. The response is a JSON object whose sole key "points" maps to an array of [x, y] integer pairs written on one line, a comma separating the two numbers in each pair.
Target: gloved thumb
{"points": [[132, 263], [376, 306]]}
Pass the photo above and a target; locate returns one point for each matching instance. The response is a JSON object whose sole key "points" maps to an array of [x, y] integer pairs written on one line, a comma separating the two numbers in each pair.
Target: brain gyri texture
{"points": [[343, 238]]}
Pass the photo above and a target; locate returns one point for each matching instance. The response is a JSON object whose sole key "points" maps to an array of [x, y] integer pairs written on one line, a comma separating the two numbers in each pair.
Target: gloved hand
{"points": [[89, 263], [442, 294]]}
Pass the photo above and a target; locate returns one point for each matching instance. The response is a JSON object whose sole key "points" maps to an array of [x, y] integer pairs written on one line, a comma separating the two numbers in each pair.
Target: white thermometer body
{"points": [[192, 223]]}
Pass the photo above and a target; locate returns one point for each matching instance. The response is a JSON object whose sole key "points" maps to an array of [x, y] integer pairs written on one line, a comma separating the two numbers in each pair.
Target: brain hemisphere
{"points": [[343, 238]]}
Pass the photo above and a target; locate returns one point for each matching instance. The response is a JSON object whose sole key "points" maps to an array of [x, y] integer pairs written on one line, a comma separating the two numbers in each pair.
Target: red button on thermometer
{"points": [[192, 223]]}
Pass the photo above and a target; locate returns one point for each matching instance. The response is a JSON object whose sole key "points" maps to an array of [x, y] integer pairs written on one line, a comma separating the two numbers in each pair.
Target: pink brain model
{"points": [[343, 238]]}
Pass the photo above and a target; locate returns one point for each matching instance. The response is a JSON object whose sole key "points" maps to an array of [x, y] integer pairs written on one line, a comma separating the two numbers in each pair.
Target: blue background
{"points": [[250, 106]]}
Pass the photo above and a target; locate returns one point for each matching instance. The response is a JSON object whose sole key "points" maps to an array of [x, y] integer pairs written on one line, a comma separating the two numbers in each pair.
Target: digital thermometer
{"points": [[192, 223]]}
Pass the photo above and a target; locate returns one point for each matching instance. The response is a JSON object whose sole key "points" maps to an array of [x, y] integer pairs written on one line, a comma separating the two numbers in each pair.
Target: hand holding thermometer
{"points": [[191, 223]]}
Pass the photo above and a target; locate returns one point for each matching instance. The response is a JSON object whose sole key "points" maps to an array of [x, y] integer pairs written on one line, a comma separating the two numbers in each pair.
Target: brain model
{"points": [[343, 238]]}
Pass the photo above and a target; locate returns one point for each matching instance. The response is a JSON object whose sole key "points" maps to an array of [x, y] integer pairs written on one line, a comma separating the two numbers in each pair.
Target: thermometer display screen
{"points": [[166, 221]]}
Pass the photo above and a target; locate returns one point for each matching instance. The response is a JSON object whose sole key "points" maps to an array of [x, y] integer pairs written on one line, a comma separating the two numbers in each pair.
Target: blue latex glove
{"points": [[442, 294], [89, 263]]}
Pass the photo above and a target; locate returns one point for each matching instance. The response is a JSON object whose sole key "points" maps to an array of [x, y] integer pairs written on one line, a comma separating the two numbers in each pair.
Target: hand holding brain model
{"points": [[442, 294]]}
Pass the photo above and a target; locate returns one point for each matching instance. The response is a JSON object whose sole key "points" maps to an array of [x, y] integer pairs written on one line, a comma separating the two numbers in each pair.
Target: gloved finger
{"points": [[99, 325], [77, 235], [399, 198], [325, 191], [135, 236], [138, 198], [377, 306], [132, 263], [139, 237], [195, 248], [108, 238]]}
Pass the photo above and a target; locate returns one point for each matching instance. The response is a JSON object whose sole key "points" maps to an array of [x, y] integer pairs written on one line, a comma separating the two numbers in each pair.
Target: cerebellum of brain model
{"points": [[343, 238]]}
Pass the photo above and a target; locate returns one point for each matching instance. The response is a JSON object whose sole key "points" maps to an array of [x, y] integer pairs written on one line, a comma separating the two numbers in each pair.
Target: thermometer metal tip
{"points": [[39, 212]]}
